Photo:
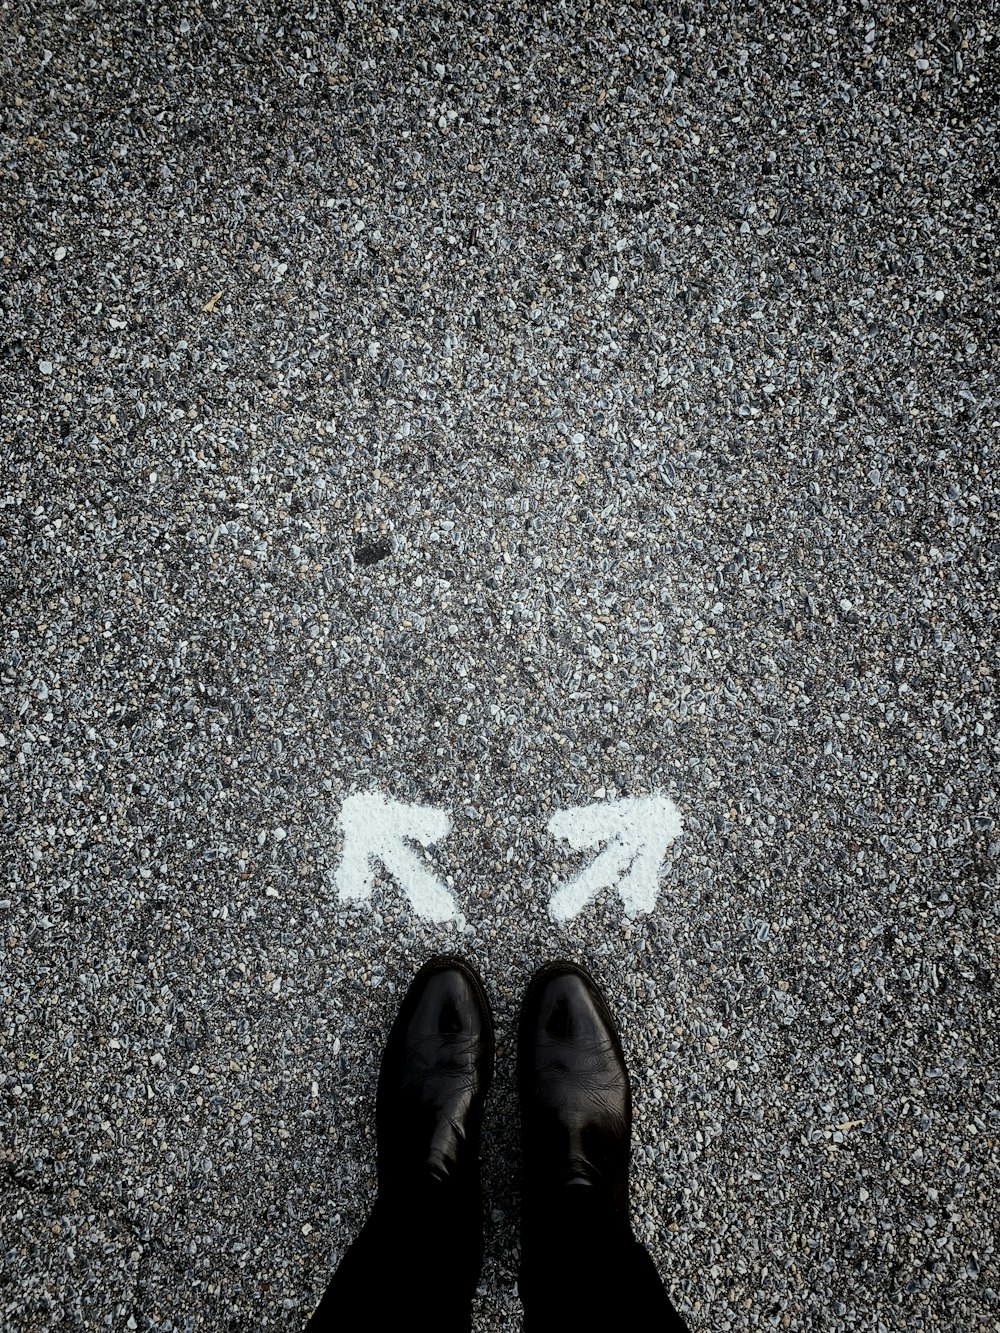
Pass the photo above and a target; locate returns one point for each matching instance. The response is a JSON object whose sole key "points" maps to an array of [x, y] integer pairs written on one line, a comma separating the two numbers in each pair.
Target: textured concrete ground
{"points": [[506, 410]]}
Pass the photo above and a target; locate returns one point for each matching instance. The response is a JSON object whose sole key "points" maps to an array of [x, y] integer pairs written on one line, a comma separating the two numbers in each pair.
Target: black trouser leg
{"points": [[582, 1269], [415, 1265]]}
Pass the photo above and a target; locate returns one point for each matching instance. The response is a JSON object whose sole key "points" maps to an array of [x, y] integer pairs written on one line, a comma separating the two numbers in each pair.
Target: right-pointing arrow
{"points": [[633, 834], [377, 829]]}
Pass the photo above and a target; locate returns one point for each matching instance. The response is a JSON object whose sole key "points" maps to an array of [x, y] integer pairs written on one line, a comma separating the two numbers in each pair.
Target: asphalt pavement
{"points": [[519, 481]]}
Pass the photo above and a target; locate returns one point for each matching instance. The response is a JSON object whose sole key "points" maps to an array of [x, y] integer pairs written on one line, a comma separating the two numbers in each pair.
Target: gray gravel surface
{"points": [[507, 410]]}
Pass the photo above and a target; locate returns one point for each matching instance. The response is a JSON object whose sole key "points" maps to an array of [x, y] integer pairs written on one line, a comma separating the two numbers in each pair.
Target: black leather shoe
{"points": [[576, 1103], [436, 1071]]}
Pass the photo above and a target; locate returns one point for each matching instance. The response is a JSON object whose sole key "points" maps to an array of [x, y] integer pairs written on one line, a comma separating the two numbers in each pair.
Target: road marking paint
{"points": [[379, 829], [634, 834]]}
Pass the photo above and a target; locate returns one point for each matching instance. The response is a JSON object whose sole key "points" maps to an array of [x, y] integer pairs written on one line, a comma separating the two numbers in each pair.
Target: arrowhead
{"points": [[378, 829], [634, 833]]}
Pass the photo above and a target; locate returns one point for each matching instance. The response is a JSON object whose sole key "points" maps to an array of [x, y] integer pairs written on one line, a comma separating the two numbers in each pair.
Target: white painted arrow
{"points": [[377, 829], [634, 833]]}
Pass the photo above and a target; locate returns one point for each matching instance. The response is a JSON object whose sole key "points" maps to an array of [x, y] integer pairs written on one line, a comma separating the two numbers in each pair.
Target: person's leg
{"points": [[415, 1264], [581, 1267], [417, 1260]]}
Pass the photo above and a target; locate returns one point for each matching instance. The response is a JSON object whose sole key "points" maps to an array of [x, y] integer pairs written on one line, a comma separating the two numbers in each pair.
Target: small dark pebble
{"points": [[370, 553]]}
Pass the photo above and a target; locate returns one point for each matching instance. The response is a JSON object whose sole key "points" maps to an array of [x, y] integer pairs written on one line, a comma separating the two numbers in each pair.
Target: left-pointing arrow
{"points": [[378, 829]]}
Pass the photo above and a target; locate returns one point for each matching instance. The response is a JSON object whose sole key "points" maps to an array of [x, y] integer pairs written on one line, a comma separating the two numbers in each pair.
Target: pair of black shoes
{"points": [[417, 1260], [576, 1105]]}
